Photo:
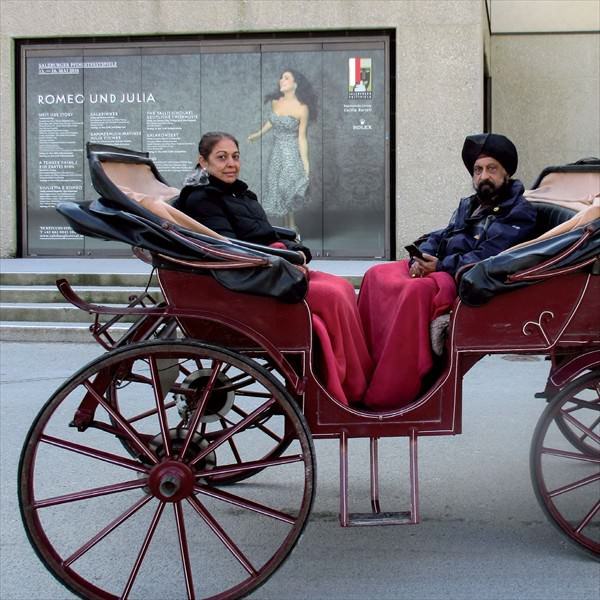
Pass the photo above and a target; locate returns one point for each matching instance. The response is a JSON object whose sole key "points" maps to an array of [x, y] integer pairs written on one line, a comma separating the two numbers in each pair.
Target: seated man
{"points": [[398, 300]]}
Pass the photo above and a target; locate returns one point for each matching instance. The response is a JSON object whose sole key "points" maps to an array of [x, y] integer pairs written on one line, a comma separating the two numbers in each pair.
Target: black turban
{"points": [[490, 144]]}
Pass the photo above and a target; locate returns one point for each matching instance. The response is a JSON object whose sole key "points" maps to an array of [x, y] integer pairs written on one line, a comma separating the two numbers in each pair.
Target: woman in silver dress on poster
{"points": [[293, 105]]}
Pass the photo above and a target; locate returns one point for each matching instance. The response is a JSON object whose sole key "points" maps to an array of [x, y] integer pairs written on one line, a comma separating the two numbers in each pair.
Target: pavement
{"points": [[482, 536]]}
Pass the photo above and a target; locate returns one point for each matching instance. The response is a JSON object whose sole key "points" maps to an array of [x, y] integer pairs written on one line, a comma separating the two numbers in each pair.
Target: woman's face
{"points": [[287, 82], [223, 161]]}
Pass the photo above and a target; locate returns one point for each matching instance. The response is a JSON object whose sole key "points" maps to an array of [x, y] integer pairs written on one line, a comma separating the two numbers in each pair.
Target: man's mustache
{"points": [[486, 183]]}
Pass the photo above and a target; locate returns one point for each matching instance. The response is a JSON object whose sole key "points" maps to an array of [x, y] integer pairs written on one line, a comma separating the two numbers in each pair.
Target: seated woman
{"points": [[225, 204], [398, 300]]}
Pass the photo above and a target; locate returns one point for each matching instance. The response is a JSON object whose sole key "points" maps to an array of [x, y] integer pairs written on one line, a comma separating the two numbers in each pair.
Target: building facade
{"points": [[395, 86]]}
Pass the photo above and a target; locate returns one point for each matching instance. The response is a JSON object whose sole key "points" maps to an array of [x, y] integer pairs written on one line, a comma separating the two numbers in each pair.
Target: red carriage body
{"points": [[217, 365]]}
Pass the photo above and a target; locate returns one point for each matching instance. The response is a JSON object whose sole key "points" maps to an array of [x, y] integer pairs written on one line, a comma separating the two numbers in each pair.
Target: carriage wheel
{"points": [[567, 482], [85, 499], [233, 396], [569, 421]]}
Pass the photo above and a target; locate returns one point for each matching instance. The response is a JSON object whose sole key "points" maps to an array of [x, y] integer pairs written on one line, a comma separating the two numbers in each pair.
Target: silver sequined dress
{"points": [[287, 182]]}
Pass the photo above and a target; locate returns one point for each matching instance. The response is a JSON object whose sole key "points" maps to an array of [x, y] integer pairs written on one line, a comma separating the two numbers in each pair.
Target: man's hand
{"points": [[421, 267]]}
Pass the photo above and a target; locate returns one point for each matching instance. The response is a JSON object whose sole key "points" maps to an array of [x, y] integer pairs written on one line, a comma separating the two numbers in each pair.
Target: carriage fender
{"points": [[575, 366]]}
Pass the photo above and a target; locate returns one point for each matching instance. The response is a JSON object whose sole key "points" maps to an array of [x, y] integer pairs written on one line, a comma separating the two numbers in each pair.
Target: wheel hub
{"points": [[219, 402], [171, 481]]}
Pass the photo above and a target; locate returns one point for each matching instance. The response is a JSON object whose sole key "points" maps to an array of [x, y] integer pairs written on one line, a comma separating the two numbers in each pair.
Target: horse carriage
{"points": [[194, 430]]}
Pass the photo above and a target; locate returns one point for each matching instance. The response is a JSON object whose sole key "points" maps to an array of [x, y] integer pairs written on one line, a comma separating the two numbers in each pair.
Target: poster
{"points": [[311, 125]]}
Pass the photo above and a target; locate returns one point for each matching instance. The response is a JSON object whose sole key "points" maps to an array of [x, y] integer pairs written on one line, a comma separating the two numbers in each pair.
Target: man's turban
{"points": [[490, 144]]}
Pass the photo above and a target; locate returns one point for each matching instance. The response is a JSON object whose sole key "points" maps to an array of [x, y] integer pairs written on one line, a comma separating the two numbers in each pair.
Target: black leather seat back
{"points": [[549, 216]]}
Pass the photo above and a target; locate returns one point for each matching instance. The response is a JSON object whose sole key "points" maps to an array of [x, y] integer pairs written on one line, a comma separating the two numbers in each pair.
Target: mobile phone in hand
{"points": [[413, 251]]}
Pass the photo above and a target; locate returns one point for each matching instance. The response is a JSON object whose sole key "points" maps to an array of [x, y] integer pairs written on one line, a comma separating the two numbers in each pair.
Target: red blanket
{"points": [[396, 311]]}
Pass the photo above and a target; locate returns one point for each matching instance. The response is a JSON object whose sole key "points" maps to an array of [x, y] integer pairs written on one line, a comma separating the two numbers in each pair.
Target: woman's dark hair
{"points": [[209, 140], [304, 92]]}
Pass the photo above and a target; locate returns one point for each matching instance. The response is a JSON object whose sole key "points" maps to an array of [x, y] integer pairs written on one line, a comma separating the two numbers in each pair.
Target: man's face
{"points": [[489, 177]]}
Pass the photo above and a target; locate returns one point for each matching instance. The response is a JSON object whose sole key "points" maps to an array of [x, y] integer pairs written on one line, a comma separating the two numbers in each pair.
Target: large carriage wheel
{"points": [[112, 525], [566, 479]]}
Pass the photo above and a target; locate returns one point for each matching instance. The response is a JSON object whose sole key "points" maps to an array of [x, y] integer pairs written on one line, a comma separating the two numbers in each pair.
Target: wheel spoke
{"points": [[222, 535], [249, 394], [184, 549], [200, 408], [579, 404], [260, 426], [94, 453], [104, 490], [160, 409], [575, 485], [234, 450], [149, 413], [571, 409], [586, 520], [249, 466], [571, 455], [587, 431], [144, 548], [244, 503], [244, 423], [121, 421], [104, 532], [237, 378]]}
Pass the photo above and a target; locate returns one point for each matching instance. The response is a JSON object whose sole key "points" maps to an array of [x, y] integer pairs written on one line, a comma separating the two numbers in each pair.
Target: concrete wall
{"points": [[529, 16], [546, 97], [439, 71]]}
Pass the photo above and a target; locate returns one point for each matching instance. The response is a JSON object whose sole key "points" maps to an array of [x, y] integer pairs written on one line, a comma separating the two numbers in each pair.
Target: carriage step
{"points": [[377, 516], [385, 518]]}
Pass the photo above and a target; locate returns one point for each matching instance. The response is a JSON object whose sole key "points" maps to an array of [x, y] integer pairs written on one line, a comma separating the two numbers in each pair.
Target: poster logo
{"points": [[362, 125], [360, 78]]}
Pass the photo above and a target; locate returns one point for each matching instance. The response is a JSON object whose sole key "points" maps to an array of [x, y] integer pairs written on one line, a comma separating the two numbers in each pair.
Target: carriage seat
{"points": [[554, 220], [548, 216]]}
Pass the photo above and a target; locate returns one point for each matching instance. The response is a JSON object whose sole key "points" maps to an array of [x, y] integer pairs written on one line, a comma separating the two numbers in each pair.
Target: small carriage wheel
{"points": [[567, 482], [85, 499], [227, 404]]}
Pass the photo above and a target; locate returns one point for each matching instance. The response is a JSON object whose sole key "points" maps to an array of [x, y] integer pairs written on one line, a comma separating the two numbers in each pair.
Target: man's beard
{"points": [[488, 193]]}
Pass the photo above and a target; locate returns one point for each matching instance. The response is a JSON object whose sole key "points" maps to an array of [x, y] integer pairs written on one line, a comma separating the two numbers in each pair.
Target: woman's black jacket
{"points": [[233, 211]]}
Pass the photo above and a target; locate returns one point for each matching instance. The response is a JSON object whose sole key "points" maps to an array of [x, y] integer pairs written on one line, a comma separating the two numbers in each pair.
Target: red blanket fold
{"points": [[336, 322]]}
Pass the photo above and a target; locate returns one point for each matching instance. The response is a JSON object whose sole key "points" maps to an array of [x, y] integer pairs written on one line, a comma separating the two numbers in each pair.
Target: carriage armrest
{"points": [[290, 255], [286, 233]]}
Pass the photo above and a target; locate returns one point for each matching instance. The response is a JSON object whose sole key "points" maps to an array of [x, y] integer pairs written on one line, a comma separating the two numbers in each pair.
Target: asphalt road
{"points": [[482, 534]]}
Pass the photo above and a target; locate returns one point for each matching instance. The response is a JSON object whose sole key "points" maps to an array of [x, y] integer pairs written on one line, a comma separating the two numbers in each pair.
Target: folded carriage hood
{"points": [[496, 274]]}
